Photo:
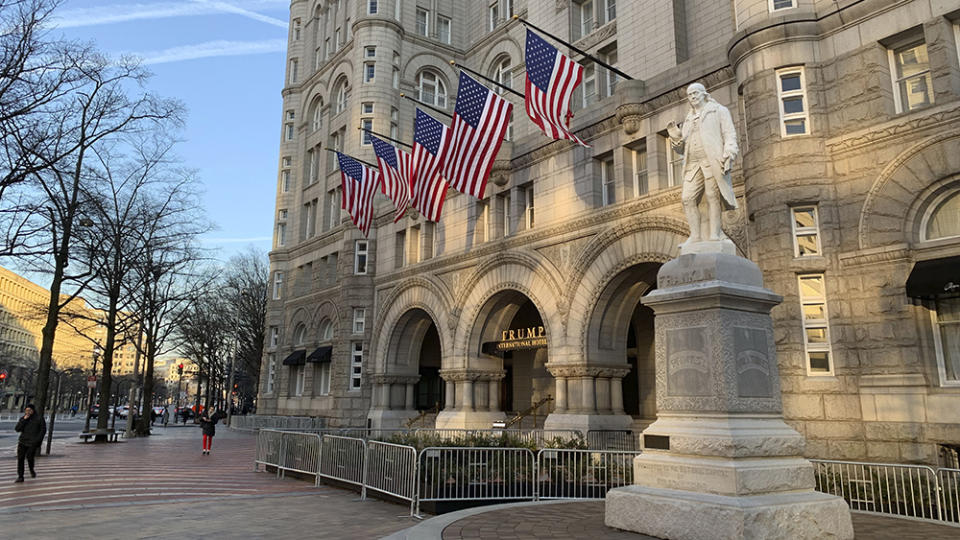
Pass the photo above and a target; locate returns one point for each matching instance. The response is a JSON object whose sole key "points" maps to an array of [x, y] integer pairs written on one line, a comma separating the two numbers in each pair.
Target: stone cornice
{"points": [[946, 114], [472, 374], [383, 378], [571, 371], [887, 254]]}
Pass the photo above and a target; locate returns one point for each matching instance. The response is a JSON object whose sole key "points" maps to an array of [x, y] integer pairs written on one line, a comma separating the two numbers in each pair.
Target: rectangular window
{"points": [[400, 249], [946, 338], [372, 7], [274, 337], [423, 22], [641, 185], [610, 10], [792, 93], [336, 39], [589, 85], [296, 29], [586, 17], [366, 107], [293, 70], [777, 5], [413, 245], [367, 125], [288, 131], [397, 9], [277, 285], [443, 29], [281, 234], [370, 52], [611, 77], [528, 217], [360, 258], [369, 70], [912, 82], [271, 372], [396, 78], [285, 180], [493, 14], [394, 123], [324, 379], [675, 166], [608, 181], [356, 365], [300, 376], [482, 227], [806, 231], [327, 48], [816, 327], [428, 248], [503, 208], [359, 320]]}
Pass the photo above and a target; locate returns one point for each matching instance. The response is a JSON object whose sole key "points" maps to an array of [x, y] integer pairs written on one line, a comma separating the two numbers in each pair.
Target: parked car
{"points": [[158, 411], [123, 411]]}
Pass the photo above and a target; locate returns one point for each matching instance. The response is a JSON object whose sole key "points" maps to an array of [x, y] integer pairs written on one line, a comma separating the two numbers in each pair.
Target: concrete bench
{"points": [[112, 435]]}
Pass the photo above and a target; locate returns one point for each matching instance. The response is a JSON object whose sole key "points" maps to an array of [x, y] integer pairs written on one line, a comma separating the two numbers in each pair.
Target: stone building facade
{"points": [[849, 201]]}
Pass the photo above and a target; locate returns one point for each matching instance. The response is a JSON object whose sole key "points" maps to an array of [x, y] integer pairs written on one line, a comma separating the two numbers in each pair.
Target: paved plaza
{"points": [[162, 487]]}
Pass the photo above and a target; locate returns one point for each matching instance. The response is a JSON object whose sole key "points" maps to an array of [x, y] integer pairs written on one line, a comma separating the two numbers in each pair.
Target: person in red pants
{"points": [[208, 424]]}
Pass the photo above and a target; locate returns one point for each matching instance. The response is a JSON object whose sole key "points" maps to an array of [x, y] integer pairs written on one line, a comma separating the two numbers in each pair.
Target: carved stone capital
{"points": [[461, 375], [575, 371], [384, 378], [501, 169]]}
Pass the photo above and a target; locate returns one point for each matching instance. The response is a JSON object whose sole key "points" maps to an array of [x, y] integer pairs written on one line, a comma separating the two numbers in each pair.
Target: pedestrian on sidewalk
{"points": [[32, 429], [208, 424], [166, 415]]}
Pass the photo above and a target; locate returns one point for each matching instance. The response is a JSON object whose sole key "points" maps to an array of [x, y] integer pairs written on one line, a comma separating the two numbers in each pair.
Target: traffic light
{"points": [[180, 369], [3, 376]]}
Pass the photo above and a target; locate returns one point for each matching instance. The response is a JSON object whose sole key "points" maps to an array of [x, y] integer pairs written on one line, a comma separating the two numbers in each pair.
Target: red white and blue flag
{"points": [[359, 186], [396, 167], [431, 142], [551, 80], [479, 125]]}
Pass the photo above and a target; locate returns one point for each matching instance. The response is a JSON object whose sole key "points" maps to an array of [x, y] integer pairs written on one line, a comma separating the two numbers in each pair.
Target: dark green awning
{"points": [[322, 355], [935, 278], [296, 358]]}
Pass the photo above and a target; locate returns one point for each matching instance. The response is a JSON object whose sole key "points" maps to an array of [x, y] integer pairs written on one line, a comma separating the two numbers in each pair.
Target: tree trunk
{"points": [[105, 387], [147, 401], [48, 333]]}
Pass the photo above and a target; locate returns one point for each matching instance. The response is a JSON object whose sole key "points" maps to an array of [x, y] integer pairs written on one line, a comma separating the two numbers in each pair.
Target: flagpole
{"points": [[368, 164], [578, 50], [391, 139], [431, 107], [488, 79]]}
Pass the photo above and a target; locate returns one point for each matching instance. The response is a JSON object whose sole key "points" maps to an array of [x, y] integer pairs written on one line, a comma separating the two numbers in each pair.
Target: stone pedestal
{"points": [[719, 462]]}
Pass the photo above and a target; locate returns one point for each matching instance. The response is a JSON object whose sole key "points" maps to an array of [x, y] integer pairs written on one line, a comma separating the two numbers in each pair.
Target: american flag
{"points": [[479, 124], [395, 170], [431, 142], [551, 79], [359, 187]]}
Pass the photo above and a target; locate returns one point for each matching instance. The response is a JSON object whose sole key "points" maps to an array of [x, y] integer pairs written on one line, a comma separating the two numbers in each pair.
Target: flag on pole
{"points": [[431, 142], [551, 79], [395, 172], [479, 124], [359, 186]]}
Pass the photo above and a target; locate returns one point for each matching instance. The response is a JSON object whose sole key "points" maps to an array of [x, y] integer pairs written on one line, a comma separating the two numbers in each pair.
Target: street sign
{"points": [[92, 381]]}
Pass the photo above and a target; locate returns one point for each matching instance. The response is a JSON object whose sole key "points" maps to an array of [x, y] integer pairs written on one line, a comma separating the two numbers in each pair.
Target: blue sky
{"points": [[225, 60]]}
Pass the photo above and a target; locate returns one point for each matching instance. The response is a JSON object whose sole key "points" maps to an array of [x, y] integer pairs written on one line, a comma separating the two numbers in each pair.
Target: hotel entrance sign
{"points": [[520, 339]]}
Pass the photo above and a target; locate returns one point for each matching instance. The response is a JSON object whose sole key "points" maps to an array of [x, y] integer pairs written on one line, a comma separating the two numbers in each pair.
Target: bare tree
{"points": [[206, 333], [247, 277], [84, 125]]}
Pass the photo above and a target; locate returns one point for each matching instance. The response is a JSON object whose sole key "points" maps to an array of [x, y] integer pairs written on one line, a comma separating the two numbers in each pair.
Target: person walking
{"points": [[208, 424], [165, 418], [32, 429]]}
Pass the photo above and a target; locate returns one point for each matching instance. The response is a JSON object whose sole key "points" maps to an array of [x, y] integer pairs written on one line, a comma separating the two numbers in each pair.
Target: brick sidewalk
{"points": [[577, 520]]}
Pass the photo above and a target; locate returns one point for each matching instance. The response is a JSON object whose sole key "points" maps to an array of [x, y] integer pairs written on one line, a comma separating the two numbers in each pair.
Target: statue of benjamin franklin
{"points": [[708, 143]]}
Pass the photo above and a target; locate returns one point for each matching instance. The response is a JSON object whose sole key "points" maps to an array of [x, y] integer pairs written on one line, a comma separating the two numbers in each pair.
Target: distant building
{"points": [[848, 185]]}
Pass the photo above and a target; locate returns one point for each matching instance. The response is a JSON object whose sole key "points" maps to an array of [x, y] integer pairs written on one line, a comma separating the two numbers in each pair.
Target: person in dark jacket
{"points": [[32, 428], [208, 424]]}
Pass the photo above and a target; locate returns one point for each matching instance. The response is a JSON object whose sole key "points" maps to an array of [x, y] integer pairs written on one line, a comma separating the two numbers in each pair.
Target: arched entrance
{"points": [[505, 368], [410, 379]]}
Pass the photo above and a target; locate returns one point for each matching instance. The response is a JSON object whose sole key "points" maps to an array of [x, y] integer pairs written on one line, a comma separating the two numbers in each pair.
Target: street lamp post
{"points": [[86, 424], [179, 382]]}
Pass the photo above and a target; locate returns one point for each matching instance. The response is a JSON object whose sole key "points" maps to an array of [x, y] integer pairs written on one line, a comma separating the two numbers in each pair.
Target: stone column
{"points": [[603, 394], [385, 396], [561, 386], [494, 396], [588, 398], [409, 402], [467, 394], [450, 397], [616, 395]]}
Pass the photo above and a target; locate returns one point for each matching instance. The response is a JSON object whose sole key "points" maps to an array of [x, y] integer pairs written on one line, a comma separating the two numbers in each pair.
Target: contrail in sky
{"points": [[212, 48], [118, 13]]}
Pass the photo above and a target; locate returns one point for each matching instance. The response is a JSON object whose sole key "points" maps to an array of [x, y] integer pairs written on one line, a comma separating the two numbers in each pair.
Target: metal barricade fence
{"points": [[608, 439], [300, 453], [462, 474], [392, 469], [900, 490], [342, 459], [582, 474], [269, 449], [949, 480]]}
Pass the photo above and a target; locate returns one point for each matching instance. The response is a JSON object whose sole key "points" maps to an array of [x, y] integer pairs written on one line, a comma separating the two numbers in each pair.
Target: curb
{"points": [[432, 529]]}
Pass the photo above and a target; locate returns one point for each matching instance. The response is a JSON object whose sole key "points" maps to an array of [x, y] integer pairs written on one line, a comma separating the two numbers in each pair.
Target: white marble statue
{"points": [[708, 142]]}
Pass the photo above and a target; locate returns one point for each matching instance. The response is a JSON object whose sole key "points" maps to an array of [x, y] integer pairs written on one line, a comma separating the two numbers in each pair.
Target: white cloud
{"points": [[211, 49], [125, 12]]}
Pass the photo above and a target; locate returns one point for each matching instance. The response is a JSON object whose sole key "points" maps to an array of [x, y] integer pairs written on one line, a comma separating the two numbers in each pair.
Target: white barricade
{"points": [[269, 449], [582, 474], [461, 474], [900, 490], [392, 469], [300, 453], [949, 494], [342, 459]]}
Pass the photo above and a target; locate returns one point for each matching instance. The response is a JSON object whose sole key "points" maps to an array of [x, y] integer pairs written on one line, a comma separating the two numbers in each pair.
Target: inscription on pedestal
{"points": [[688, 363], [753, 365]]}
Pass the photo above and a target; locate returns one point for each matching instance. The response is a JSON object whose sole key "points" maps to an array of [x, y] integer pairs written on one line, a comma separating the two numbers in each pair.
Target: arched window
{"points": [[501, 74], [944, 221], [342, 96], [299, 334], [316, 114], [326, 330], [431, 89]]}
